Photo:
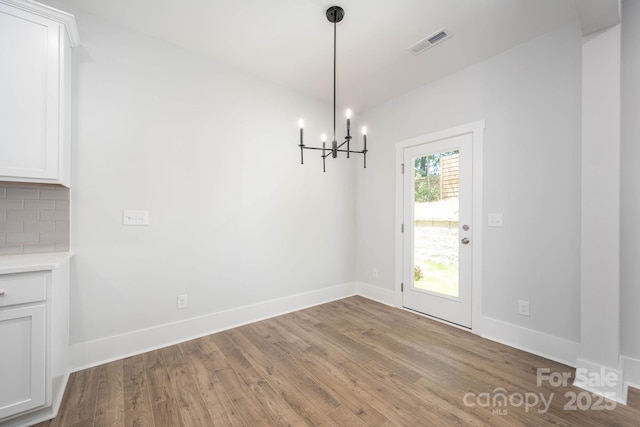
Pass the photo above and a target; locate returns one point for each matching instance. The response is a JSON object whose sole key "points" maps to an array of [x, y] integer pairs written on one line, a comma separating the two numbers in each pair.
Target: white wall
{"points": [[600, 238], [530, 99], [630, 236], [600, 220], [212, 154], [235, 220]]}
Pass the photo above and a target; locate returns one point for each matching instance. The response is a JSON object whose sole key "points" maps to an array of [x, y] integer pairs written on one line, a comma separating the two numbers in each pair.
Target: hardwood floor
{"points": [[352, 362]]}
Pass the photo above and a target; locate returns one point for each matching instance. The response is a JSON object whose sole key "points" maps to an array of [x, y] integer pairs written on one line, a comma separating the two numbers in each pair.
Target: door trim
{"points": [[476, 129]]}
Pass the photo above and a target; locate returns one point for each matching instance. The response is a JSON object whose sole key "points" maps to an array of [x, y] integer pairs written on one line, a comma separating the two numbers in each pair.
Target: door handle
{"points": [[465, 241]]}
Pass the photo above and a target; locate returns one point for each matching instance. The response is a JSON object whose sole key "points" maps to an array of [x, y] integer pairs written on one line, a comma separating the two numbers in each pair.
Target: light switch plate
{"points": [[132, 217], [495, 220]]}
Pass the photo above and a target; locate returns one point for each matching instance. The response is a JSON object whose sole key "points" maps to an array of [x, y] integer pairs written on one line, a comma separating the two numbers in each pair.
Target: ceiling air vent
{"points": [[429, 41]]}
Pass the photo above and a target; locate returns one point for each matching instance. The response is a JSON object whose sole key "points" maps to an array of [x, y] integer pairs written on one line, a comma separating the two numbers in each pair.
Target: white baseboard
{"points": [[593, 378], [92, 353], [631, 369], [376, 293], [549, 346]]}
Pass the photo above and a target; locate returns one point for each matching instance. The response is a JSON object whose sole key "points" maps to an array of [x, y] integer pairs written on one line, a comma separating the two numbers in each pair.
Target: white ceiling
{"points": [[290, 42]]}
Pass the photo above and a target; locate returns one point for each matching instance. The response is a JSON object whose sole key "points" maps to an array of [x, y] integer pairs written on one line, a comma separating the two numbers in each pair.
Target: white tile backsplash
{"points": [[11, 204], [6, 249], [11, 226], [48, 215], [57, 194], [39, 205], [34, 218], [39, 226], [62, 205], [37, 248], [62, 226], [53, 236], [22, 216], [21, 193], [22, 237]]}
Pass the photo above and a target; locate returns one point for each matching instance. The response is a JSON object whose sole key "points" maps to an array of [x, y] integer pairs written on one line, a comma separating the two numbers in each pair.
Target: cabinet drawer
{"points": [[22, 288]]}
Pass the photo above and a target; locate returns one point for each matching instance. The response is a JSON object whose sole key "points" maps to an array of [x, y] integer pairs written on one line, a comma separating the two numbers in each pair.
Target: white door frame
{"points": [[476, 129]]}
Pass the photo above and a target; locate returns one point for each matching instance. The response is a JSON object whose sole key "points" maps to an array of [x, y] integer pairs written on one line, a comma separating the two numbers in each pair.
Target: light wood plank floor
{"points": [[351, 362]]}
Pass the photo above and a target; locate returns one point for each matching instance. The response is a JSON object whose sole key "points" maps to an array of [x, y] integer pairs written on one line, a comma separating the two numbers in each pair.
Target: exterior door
{"points": [[438, 236]]}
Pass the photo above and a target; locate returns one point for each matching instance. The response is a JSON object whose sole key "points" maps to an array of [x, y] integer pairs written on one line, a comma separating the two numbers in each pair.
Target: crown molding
{"points": [[67, 19]]}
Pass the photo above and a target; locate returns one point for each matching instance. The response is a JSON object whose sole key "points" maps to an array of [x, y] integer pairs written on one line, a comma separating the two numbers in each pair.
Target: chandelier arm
{"points": [[329, 150], [306, 147], [338, 147], [352, 151], [346, 141]]}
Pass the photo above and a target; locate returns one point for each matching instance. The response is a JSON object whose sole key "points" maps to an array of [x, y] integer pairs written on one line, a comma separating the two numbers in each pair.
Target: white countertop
{"points": [[32, 262]]}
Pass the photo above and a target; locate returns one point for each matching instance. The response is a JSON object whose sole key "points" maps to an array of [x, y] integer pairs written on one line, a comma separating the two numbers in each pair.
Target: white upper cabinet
{"points": [[35, 92]]}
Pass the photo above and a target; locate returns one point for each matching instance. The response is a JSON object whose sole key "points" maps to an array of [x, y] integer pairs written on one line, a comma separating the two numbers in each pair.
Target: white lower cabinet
{"points": [[34, 343], [22, 359]]}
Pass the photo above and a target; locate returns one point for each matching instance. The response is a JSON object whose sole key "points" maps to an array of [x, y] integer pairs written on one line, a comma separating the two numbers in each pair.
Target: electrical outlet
{"points": [[523, 308], [183, 301], [375, 273]]}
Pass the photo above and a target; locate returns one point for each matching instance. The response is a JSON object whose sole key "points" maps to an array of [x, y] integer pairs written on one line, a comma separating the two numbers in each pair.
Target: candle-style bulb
{"points": [[364, 130], [323, 137], [348, 113], [301, 123]]}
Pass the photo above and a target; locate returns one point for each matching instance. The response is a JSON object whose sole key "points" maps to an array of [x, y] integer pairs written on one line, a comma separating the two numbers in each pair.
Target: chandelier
{"points": [[334, 15]]}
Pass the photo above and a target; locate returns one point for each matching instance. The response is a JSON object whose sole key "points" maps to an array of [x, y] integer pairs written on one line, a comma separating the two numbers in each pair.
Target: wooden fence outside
{"points": [[450, 176]]}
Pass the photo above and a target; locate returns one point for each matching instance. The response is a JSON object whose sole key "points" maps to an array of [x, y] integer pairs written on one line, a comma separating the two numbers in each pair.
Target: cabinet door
{"points": [[22, 359], [29, 95]]}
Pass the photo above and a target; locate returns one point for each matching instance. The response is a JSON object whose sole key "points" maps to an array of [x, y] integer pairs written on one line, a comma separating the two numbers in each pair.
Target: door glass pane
{"points": [[436, 216]]}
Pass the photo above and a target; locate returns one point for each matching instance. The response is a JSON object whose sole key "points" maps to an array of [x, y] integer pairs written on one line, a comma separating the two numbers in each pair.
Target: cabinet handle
{"points": [[1, 293]]}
